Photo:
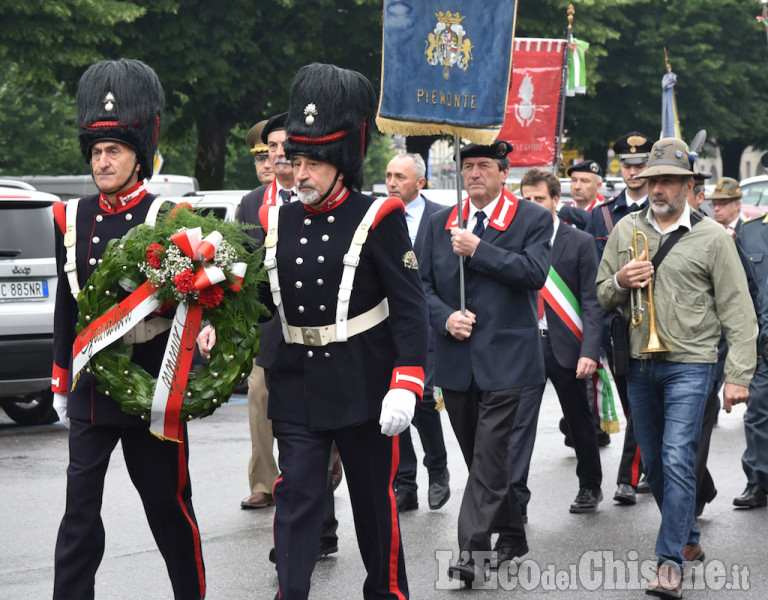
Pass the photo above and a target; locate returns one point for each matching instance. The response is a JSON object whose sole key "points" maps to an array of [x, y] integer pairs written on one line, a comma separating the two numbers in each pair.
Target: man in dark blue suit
{"points": [[405, 178], [488, 350], [570, 322]]}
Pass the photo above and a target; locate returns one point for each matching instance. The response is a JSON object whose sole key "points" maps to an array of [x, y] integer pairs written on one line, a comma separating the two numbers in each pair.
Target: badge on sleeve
{"points": [[410, 261]]}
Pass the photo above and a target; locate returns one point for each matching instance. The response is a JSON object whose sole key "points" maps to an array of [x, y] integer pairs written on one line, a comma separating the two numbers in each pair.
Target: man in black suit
{"points": [[405, 179], [262, 469], [570, 322], [487, 351]]}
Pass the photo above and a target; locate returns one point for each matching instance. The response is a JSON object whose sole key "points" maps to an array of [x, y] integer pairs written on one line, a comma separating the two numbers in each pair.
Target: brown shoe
{"points": [[691, 555], [336, 473], [666, 584], [257, 500]]}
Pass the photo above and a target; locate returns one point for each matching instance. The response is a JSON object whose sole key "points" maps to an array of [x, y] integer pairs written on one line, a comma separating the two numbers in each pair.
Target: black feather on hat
{"points": [[120, 100], [331, 117]]}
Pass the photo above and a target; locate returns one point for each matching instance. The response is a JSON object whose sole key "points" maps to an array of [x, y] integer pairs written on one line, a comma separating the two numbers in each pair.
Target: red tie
{"points": [[541, 304]]}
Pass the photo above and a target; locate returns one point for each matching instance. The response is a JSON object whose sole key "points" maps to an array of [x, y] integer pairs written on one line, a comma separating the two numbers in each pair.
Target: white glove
{"points": [[60, 406], [397, 411]]}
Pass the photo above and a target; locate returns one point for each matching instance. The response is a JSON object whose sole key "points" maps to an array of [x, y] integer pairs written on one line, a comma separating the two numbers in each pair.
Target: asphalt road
{"points": [[602, 555]]}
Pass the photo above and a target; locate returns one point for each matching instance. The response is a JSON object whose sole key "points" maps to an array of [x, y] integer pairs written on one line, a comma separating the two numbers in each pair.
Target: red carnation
{"points": [[154, 253], [185, 281], [211, 296]]}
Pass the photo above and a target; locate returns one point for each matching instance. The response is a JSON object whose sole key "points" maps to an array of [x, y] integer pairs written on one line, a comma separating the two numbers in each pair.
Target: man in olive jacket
{"points": [[699, 288]]}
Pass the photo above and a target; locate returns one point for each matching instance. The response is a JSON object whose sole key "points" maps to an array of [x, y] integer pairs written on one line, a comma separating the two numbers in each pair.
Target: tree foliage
{"points": [[229, 64]]}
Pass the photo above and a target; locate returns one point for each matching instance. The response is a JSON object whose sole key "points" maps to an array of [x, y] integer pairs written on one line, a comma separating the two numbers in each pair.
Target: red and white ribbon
{"points": [[177, 360]]}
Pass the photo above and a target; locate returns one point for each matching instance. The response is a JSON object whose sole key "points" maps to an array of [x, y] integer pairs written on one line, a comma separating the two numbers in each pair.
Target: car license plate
{"points": [[20, 291]]}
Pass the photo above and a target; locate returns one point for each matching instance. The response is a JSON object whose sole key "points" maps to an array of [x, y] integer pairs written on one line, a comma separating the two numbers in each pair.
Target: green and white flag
{"points": [[577, 68]]}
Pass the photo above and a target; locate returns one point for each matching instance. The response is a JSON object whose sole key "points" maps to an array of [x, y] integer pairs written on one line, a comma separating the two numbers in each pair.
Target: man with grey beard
{"points": [[698, 289]]}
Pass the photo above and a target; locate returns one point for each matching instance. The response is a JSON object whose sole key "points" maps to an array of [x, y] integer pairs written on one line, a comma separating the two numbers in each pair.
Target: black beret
{"points": [[587, 166], [498, 149], [275, 123]]}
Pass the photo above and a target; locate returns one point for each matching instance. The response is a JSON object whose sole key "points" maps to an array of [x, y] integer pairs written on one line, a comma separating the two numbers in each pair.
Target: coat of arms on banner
{"points": [[447, 45], [525, 110]]}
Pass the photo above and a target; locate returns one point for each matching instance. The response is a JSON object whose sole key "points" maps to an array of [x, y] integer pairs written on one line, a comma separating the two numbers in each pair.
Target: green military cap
{"points": [[726, 189], [670, 156], [253, 139]]}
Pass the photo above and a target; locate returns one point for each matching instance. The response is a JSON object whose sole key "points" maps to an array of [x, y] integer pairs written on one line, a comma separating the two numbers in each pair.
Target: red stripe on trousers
{"points": [[195, 530], [394, 548]]}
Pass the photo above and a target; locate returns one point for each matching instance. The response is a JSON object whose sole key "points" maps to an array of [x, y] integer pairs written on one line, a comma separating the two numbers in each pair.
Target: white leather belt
{"points": [[147, 330], [322, 336]]}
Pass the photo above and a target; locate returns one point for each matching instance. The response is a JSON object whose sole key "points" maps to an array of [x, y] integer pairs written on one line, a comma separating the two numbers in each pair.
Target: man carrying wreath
{"points": [[119, 108]]}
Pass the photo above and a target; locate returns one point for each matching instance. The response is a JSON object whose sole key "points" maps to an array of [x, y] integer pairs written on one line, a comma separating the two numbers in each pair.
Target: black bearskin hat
{"points": [[120, 100], [330, 118]]}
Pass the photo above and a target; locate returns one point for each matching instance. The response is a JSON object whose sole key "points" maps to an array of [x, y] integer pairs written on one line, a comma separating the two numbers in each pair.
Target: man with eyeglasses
{"points": [[726, 205], [260, 152], [752, 240]]}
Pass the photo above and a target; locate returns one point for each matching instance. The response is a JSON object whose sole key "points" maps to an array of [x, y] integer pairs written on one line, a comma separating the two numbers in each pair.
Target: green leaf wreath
{"points": [[128, 263]]}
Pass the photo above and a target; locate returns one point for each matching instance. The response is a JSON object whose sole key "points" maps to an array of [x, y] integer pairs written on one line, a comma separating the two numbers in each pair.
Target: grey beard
{"points": [[309, 198]]}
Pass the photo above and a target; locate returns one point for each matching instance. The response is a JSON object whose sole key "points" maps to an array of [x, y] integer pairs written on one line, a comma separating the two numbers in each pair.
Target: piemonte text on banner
{"points": [[445, 67], [532, 122]]}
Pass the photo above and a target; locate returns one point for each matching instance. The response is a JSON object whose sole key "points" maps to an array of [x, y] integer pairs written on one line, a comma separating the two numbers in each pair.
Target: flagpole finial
{"points": [[571, 12], [666, 60]]}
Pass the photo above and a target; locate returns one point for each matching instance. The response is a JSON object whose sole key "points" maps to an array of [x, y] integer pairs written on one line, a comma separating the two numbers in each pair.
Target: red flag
{"points": [[532, 119]]}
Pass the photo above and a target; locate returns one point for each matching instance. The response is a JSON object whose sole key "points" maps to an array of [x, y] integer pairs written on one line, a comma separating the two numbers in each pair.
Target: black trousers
{"points": [[370, 463], [158, 470], [630, 465], [572, 393], [482, 422], [705, 485]]}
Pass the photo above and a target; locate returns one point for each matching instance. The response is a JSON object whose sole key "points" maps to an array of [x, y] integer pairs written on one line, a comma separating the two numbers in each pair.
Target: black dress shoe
{"points": [[466, 571], [406, 500], [642, 486], [563, 425], [700, 504], [503, 554], [586, 501], [439, 489], [754, 496], [625, 494], [326, 548], [603, 439]]}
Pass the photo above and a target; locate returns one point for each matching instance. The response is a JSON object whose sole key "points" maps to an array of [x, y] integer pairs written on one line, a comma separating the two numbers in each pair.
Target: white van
{"points": [[77, 186]]}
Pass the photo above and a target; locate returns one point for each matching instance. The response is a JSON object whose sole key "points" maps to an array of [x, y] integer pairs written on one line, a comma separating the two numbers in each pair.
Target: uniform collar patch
{"points": [[501, 218], [125, 200]]}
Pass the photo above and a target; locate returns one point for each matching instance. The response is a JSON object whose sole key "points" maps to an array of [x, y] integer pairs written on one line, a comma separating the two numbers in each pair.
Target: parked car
{"points": [[77, 186], [27, 296], [754, 199]]}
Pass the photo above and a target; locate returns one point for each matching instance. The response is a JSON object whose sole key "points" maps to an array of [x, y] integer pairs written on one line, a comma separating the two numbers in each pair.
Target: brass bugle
{"points": [[636, 299]]}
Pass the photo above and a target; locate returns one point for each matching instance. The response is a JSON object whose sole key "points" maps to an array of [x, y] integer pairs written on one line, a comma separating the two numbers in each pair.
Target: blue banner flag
{"points": [[446, 67]]}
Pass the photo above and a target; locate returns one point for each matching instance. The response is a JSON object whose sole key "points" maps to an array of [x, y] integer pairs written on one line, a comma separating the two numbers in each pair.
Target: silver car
{"points": [[27, 296]]}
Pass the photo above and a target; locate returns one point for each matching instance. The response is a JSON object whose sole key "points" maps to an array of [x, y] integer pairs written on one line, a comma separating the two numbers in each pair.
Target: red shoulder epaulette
{"points": [[390, 204], [60, 215]]}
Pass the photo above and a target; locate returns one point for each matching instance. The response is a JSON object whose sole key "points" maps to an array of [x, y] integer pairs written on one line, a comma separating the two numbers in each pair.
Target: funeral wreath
{"points": [[199, 267]]}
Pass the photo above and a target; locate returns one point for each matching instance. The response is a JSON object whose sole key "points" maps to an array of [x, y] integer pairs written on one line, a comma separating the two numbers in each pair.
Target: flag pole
{"points": [[563, 86], [460, 212]]}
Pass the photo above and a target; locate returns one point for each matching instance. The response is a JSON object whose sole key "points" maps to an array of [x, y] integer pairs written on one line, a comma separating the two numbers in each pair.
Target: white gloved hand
{"points": [[397, 411], [60, 406]]}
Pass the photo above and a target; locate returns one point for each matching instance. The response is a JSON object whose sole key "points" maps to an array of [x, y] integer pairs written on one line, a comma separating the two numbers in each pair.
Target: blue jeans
{"points": [[668, 401]]}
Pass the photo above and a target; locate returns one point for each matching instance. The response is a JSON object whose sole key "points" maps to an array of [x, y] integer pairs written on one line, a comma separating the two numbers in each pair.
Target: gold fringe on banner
{"points": [[484, 136]]}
